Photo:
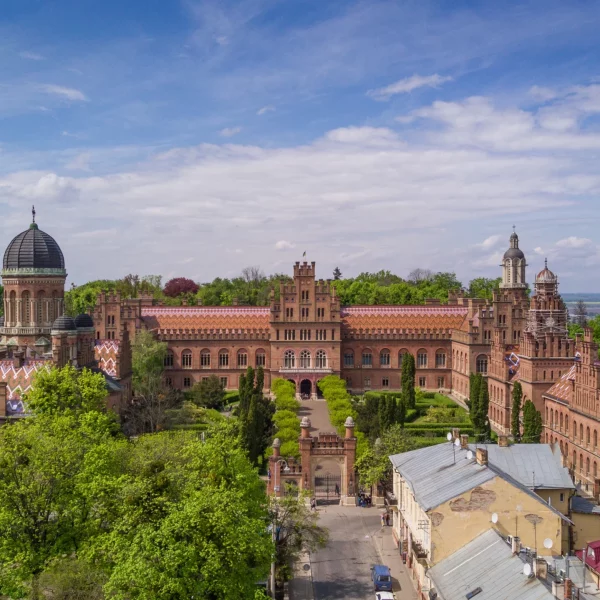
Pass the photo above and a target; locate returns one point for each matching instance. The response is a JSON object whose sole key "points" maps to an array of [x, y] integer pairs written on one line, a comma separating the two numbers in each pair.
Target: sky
{"points": [[195, 138]]}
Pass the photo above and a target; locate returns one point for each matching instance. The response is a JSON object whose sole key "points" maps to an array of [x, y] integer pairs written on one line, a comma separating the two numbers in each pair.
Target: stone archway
{"points": [[306, 388]]}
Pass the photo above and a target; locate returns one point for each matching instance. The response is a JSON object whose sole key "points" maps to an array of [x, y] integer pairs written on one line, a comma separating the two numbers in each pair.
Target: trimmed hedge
{"points": [[286, 418], [448, 426]]}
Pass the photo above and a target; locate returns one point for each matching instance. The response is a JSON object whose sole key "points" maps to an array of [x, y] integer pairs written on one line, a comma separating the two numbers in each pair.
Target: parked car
{"points": [[385, 596], [382, 578]]}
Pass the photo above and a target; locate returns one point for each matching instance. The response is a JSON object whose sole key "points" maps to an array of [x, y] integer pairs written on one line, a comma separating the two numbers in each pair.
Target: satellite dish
{"points": [[548, 543], [494, 517], [527, 569], [457, 442], [449, 436], [469, 455]]}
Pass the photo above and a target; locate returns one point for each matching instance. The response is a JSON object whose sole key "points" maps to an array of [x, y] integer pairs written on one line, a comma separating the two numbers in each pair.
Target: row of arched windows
{"points": [[27, 310], [460, 362], [223, 360], [305, 359], [385, 358]]}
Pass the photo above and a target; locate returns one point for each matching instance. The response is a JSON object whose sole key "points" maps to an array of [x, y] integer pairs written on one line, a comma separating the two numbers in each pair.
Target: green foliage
{"points": [[408, 380], [480, 407], [532, 424], [286, 417], [66, 389], [482, 287], [373, 465], [71, 578], [515, 424], [445, 415], [80, 299], [208, 393]]}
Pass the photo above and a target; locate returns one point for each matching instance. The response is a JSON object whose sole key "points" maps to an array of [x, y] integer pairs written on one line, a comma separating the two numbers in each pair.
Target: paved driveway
{"points": [[357, 541], [316, 411]]}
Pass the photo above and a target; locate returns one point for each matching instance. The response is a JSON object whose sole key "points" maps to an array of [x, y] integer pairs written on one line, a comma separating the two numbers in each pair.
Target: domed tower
{"points": [[33, 274], [513, 266]]}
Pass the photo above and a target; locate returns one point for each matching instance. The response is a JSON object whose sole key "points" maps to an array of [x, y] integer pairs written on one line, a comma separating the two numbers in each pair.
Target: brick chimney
{"points": [[568, 589], [349, 425], [464, 441], [18, 358], [455, 433], [482, 457], [503, 441], [516, 545], [305, 427]]}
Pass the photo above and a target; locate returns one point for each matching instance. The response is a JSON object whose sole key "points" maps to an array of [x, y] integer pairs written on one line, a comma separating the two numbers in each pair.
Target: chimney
{"points": [[516, 545], [568, 589], [276, 448], [18, 358], [349, 425], [305, 427], [482, 457], [455, 433], [503, 441], [540, 568], [464, 441]]}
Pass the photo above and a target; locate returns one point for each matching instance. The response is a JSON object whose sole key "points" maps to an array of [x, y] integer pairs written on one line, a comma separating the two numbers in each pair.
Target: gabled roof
{"points": [[434, 318], [435, 476], [563, 388], [488, 563], [535, 466]]}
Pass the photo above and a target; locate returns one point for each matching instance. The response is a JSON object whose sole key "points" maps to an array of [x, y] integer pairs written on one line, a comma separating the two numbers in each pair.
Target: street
{"points": [[357, 541]]}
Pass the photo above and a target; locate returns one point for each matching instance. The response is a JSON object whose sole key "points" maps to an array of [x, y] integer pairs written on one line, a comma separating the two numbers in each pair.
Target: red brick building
{"points": [[35, 334]]}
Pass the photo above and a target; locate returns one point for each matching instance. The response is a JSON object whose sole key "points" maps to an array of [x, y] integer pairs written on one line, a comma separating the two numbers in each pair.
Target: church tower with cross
{"points": [[33, 274], [513, 266]]}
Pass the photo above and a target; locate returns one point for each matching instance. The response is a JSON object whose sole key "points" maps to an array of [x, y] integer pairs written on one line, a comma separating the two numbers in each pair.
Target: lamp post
{"points": [[286, 469]]}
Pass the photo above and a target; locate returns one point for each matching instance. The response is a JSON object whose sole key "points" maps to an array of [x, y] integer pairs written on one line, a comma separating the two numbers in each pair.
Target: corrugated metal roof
{"points": [[487, 563], [533, 465], [435, 476], [582, 505]]}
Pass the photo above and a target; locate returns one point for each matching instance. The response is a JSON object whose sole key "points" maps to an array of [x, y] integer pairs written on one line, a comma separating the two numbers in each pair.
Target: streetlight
{"points": [[286, 469]]}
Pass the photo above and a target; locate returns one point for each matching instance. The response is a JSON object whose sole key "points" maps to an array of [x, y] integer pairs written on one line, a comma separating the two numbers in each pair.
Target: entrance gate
{"points": [[327, 486]]}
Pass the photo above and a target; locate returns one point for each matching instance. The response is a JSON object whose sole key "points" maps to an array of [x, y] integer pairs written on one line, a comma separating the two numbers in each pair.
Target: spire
{"points": [[545, 263], [33, 223]]}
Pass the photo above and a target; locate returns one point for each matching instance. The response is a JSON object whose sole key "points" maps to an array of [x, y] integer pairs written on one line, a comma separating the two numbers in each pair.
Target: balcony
{"points": [[293, 370], [418, 550]]}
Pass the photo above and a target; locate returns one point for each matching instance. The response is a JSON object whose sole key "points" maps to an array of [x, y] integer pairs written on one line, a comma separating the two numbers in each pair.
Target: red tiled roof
{"points": [[18, 381], [434, 318], [563, 388], [106, 352], [228, 318]]}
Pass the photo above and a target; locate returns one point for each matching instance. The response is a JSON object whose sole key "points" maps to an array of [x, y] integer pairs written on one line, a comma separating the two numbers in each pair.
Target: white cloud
{"points": [[542, 93], [64, 92], [284, 245], [230, 131], [265, 109], [489, 242], [362, 135], [407, 85], [31, 55], [81, 162]]}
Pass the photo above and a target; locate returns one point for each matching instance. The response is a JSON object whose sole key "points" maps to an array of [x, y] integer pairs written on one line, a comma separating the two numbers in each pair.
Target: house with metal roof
{"points": [[486, 568], [449, 494]]}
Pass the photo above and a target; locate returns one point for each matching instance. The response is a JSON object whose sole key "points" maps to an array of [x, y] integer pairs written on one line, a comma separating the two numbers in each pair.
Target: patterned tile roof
{"points": [[223, 318], [18, 381], [106, 352], [563, 388], [434, 318]]}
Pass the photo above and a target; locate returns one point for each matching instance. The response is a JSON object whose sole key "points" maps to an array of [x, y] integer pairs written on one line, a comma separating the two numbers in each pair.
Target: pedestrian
{"points": [[337, 489], [387, 519], [382, 520], [313, 504]]}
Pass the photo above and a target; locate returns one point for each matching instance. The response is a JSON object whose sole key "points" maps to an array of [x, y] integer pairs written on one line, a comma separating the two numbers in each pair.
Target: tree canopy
{"points": [[180, 286]]}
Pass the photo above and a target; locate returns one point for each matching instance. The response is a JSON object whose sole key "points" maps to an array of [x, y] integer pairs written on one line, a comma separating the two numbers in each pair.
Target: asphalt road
{"points": [[341, 571]]}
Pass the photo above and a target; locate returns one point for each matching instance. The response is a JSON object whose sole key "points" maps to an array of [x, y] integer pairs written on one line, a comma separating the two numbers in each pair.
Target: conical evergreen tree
{"points": [[517, 396], [408, 380], [532, 424], [483, 422]]}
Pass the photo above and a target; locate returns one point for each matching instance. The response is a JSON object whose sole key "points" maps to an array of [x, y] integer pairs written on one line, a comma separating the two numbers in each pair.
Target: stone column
{"points": [[305, 443], [349, 483], [273, 466]]}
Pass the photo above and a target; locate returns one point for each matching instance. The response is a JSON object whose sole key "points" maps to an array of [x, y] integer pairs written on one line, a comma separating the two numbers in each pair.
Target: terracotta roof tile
{"points": [[563, 388], [18, 381], [229, 318], [434, 318]]}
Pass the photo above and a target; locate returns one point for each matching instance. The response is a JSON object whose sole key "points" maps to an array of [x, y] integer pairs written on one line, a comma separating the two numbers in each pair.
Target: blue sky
{"points": [[196, 138]]}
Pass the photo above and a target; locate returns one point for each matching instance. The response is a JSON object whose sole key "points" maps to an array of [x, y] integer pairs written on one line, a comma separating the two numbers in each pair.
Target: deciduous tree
{"points": [[180, 286], [208, 393]]}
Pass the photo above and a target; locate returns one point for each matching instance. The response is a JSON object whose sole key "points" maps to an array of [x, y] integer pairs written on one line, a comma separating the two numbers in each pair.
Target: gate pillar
{"points": [[348, 484], [305, 443]]}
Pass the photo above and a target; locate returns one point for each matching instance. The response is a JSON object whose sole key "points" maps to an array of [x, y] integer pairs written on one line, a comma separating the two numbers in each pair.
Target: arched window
{"points": [[289, 359], [223, 359], [440, 359], [348, 359], [422, 359], [169, 358], [551, 422], [587, 466], [587, 436], [581, 433], [561, 421], [482, 364], [39, 308], [384, 358], [401, 354], [26, 308], [595, 439], [581, 463], [367, 358], [242, 359], [595, 469], [321, 359], [566, 423], [186, 359], [205, 358], [574, 459], [53, 308], [13, 307], [305, 359], [261, 358], [574, 429]]}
